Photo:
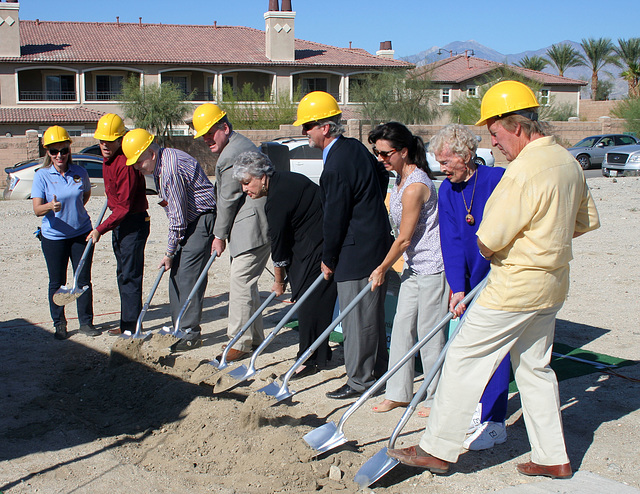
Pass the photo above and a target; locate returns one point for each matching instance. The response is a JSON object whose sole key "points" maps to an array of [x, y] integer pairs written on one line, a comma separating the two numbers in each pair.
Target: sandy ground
{"points": [[79, 417]]}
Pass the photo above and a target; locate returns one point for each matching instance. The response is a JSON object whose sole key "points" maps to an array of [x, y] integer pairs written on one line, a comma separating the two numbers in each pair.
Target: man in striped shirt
{"points": [[189, 201]]}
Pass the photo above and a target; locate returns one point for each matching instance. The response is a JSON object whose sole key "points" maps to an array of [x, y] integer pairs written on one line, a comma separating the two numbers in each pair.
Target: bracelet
{"points": [[170, 256], [486, 258]]}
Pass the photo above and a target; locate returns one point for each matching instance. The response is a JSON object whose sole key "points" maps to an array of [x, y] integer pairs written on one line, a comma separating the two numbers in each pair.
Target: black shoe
{"points": [[194, 341], [61, 332], [343, 393], [309, 370], [89, 330]]}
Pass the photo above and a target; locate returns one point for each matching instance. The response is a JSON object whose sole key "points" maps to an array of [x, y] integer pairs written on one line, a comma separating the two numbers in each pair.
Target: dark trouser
{"points": [[129, 239], [57, 254], [191, 257], [365, 340], [314, 316]]}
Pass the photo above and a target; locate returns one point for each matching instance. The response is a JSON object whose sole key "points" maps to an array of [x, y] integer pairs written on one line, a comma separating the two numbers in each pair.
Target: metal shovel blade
{"points": [[241, 373], [325, 438], [377, 466], [66, 295], [278, 392]]}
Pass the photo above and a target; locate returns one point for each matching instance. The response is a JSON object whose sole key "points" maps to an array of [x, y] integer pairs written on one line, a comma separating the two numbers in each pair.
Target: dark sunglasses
{"points": [[309, 125], [54, 152], [384, 154]]}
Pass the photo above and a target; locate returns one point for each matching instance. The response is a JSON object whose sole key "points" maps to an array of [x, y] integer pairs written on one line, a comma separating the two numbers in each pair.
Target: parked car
{"points": [[622, 162], [484, 156], [590, 151], [294, 154], [94, 149], [20, 176]]}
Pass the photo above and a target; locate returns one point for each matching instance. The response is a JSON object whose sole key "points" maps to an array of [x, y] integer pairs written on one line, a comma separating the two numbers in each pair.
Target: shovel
{"points": [[241, 373], [177, 332], [282, 393], [380, 464], [139, 334], [330, 436], [223, 359], [64, 294]]}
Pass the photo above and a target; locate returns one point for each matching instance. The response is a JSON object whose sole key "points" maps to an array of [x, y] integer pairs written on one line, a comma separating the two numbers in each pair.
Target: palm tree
{"points": [[629, 52], [597, 53], [535, 62], [563, 57]]}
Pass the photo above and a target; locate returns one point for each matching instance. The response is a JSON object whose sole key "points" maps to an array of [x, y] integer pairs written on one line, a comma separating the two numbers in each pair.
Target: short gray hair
{"points": [[458, 139], [252, 163], [335, 127]]}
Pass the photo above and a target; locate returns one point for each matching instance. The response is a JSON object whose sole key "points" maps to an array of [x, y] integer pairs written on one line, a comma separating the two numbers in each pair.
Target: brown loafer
{"points": [[115, 331], [234, 355], [553, 471], [416, 457]]}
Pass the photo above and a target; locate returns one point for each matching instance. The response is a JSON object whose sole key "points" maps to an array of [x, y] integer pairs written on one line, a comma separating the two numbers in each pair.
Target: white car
{"points": [[622, 161], [294, 154], [484, 156]]}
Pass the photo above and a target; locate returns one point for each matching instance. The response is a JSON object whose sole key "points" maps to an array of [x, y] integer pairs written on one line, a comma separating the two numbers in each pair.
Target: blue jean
{"points": [[129, 239], [57, 254]]}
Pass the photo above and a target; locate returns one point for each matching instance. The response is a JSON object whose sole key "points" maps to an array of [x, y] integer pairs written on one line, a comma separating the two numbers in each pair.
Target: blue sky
{"points": [[508, 26]]}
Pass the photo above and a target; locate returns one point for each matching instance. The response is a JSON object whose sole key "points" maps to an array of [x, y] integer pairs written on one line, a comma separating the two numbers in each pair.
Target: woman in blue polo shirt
{"points": [[59, 193]]}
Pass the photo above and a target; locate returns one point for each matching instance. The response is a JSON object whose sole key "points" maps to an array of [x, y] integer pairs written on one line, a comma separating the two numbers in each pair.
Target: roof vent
{"points": [[385, 50], [273, 6], [286, 6]]}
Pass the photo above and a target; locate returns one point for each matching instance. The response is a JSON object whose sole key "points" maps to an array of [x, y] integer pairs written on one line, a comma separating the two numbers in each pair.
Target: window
{"points": [[445, 96], [623, 140], [472, 92], [178, 80], [310, 84], [108, 86], [60, 87], [544, 97]]}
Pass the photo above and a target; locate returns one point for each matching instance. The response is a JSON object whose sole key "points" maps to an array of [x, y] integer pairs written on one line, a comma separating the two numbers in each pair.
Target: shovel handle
{"points": [[147, 302], [414, 349], [192, 294], [85, 254]]}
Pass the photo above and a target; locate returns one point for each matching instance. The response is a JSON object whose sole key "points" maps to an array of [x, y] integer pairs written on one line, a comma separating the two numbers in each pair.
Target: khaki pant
{"points": [[244, 297], [484, 340]]}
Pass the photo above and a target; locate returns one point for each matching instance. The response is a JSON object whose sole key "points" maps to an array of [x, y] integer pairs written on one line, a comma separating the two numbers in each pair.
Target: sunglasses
{"points": [[55, 152], [384, 154], [309, 125]]}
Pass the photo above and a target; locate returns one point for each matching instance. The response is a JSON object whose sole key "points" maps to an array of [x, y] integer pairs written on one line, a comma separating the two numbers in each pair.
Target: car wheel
{"points": [[479, 161], [585, 161]]}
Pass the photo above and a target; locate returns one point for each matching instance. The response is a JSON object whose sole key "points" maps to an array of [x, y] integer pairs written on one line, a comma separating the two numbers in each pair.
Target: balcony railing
{"points": [[47, 95], [101, 95]]}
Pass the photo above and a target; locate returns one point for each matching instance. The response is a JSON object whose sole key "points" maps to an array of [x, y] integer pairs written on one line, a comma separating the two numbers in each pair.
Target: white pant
{"points": [[484, 340]]}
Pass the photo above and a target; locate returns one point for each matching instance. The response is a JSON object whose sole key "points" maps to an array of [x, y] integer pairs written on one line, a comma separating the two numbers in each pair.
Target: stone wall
{"points": [[592, 110]]}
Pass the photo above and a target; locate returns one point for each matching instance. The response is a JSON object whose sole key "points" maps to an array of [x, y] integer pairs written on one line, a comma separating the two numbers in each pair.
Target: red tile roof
{"points": [[107, 42], [460, 68], [49, 115]]}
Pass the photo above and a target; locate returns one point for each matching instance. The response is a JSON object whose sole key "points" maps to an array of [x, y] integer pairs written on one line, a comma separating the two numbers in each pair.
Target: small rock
{"points": [[335, 473]]}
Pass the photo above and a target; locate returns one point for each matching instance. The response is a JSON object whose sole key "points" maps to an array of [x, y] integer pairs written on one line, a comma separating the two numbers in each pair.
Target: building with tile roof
{"points": [[72, 72], [460, 76]]}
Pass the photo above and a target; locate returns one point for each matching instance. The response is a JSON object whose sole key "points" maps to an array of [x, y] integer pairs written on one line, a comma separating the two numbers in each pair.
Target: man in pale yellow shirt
{"points": [[541, 203]]}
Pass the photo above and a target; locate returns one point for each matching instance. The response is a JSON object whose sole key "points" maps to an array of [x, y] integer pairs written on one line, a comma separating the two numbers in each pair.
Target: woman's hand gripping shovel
{"points": [[380, 464], [223, 359], [330, 436], [282, 393], [64, 294], [242, 373]]}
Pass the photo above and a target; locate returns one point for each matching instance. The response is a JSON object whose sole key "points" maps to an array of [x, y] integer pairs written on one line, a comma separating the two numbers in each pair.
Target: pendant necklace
{"points": [[469, 217]]}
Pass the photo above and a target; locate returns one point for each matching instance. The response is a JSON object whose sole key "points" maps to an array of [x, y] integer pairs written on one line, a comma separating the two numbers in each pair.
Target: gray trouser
{"points": [[191, 258], [365, 341], [422, 303]]}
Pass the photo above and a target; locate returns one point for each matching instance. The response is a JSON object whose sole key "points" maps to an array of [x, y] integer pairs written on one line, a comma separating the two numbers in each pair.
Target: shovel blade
{"points": [[66, 295], [133, 336], [325, 438], [241, 373], [278, 392], [375, 468]]}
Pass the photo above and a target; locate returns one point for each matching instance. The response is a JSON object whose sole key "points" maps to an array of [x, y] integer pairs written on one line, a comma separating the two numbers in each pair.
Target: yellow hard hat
{"points": [[316, 106], [135, 143], [205, 117], [109, 128], [506, 97], [55, 134]]}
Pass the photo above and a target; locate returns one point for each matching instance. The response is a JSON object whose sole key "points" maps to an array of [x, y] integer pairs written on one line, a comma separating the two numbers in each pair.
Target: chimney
{"points": [[385, 50], [9, 29], [279, 32]]}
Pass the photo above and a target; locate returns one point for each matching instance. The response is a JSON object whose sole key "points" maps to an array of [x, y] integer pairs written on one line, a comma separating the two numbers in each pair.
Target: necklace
{"points": [[469, 217]]}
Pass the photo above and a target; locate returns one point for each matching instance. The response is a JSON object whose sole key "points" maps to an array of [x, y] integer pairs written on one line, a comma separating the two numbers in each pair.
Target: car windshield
{"points": [[587, 142]]}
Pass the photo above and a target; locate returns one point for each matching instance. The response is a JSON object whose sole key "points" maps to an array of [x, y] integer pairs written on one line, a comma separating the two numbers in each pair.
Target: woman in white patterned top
{"points": [[422, 301]]}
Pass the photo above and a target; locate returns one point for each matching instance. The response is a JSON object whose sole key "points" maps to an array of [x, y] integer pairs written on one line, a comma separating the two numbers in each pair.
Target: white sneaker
{"points": [[487, 436], [476, 420]]}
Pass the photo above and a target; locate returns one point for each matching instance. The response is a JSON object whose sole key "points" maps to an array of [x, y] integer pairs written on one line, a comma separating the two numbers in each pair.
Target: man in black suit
{"points": [[357, 236]]}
